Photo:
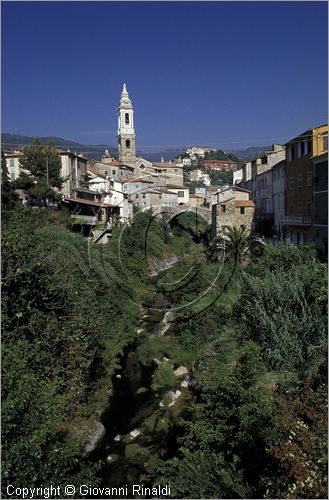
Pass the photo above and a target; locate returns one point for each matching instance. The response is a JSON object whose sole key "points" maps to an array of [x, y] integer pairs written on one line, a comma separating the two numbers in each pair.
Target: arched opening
{"points": [[127, 118], [127, 143]]}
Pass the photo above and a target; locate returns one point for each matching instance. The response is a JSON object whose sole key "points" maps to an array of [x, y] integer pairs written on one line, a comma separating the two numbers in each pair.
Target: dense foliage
{"points": [[40, 171], [258, 427], [252, 336], [64, 324]]}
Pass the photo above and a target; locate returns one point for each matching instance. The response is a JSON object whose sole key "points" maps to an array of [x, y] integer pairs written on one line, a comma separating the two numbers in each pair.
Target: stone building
{"points": [[232, 212], [233, 207]]}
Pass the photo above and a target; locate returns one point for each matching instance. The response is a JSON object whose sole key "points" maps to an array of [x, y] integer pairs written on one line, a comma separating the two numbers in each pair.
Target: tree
{"points": [[8, 196], [41, 166], [235, 242]]}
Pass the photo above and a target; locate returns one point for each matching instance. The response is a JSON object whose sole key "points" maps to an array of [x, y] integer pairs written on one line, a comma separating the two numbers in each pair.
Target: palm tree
{"points": [[234, 242]]}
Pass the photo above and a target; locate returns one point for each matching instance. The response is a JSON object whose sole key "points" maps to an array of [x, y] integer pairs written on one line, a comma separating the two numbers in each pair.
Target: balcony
{"points": [[302, 220]]}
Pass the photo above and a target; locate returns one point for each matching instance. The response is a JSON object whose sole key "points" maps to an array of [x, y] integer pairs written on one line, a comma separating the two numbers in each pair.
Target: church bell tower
{"points": [[126, 131]]}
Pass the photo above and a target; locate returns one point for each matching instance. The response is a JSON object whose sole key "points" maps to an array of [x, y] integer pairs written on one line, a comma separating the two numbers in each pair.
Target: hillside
{"points": [[91, 151], [95, 151]]}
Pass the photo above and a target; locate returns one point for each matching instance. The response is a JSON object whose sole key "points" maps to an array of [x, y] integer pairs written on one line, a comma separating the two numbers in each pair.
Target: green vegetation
{"points": [[253, 338], [219, 154], [41, 166], [65, 322], [220, 177], [258, 426]]}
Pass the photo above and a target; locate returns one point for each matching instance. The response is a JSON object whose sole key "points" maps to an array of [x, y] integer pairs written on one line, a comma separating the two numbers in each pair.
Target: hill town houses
{"points": [[281, 194]]}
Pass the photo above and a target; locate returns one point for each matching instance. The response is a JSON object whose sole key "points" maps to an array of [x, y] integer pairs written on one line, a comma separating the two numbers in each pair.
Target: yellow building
{"points": [[301, 152]]}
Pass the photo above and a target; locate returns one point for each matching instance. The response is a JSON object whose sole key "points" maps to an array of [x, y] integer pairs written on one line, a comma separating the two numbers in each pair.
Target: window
{"points": [[114, 172], [309, 146], [127, 118], [291, 182], [223, 209], [300, 180], [306, 150], [180, 194], [325, 143], [12, 177], [309, 178], [242, 210], [301, 149], [291, 153], [242, 227], [291, 208], [299, 207], [106, 172], [143, 195], [128, 143], [12, 163], [136, 195]]}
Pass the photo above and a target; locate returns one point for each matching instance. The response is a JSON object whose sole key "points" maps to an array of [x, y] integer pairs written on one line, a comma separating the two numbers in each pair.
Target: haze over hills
{"points": [[95, 151]]}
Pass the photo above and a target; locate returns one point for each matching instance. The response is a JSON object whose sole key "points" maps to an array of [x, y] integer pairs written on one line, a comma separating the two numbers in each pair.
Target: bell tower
{"points": [[126, 131]]}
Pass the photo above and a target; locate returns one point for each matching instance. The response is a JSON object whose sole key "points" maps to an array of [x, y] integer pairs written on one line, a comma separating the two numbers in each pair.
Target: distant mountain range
{"points": [[95, 151], [91, 151]]}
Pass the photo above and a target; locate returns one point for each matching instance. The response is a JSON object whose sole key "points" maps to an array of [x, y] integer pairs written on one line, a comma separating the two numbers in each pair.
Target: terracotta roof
{"points": [[244, 203]]}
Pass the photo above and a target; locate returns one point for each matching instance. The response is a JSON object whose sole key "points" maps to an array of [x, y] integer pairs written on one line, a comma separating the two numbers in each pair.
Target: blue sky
{"points": [[228, 74]]}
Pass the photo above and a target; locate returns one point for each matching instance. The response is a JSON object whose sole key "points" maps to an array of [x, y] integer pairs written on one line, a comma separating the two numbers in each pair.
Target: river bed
{"points": [[139, 423]]}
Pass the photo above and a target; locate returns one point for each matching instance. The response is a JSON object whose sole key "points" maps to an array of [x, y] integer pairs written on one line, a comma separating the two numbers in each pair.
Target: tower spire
{"points": [[126, 131]]}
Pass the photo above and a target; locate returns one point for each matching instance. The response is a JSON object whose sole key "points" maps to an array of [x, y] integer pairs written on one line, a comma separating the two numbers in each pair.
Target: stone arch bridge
{"points": [[169, 213]]}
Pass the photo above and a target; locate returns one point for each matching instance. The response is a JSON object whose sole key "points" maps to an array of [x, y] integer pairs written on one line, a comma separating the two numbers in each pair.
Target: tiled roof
{"points": [[197, 196], [244, 203], [95, 171]]}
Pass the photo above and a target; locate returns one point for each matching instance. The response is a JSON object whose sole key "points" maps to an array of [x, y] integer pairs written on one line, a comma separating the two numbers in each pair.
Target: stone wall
{"points": [[230, 214]]}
